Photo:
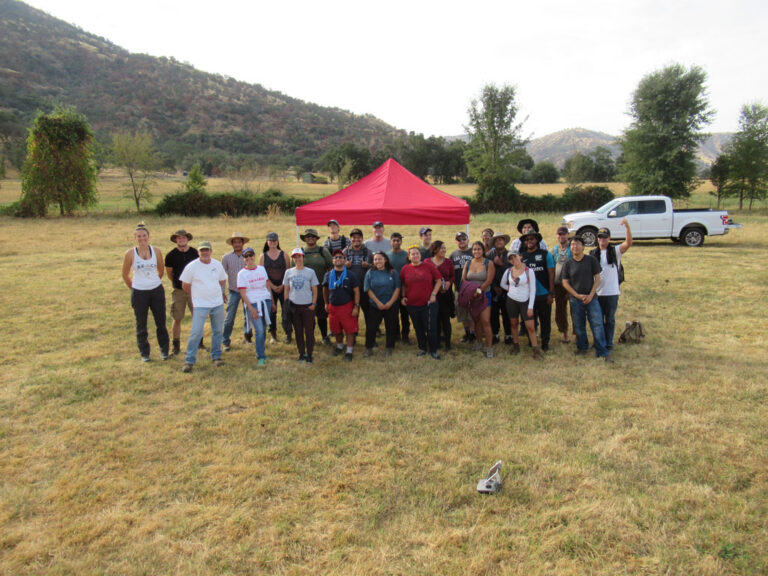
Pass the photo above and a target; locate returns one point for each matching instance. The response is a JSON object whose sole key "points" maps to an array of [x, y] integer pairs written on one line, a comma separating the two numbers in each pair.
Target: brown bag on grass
{"points": [[633, 333]]}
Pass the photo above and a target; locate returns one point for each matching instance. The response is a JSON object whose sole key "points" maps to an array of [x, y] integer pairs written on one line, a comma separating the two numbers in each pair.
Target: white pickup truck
{"points": [[649, 217]]}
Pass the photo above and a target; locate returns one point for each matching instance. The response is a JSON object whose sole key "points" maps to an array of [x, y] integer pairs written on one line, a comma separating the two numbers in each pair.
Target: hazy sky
{"points": [[418, 64]]}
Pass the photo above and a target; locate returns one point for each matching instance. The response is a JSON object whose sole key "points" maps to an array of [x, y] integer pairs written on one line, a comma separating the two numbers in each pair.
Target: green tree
{"points": [[669, 108], [545, 172], [749, 154], [604, 168], [720, 175], [195, 181], [496, 145], [579, 168], [135, 154], [59, 167]]}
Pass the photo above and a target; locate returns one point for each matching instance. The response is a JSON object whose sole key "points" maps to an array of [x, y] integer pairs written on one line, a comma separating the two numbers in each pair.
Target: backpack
{"points": [[633, 333]]}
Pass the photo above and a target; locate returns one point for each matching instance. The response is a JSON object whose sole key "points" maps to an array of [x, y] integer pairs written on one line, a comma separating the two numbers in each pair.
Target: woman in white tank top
{"points": [[145, 263]]}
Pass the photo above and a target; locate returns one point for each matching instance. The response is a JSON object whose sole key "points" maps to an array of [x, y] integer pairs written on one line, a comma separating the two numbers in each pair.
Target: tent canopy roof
{"points": [[390, 194]]}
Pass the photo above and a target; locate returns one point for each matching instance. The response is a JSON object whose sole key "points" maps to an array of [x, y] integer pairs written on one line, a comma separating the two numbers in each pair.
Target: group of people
{"points": [[488, 286]]}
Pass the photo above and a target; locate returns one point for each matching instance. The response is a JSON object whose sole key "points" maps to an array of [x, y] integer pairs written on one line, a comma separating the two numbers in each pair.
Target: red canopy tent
{"points": [[390, 194]]}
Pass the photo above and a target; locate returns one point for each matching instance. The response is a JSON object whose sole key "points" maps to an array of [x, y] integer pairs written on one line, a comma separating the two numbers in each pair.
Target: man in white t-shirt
{"points": [[608, 292], [206, 281]]}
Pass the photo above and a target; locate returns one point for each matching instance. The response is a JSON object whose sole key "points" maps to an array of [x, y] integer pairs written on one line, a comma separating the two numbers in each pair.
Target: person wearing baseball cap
{"points": [[341, 292], [301, 291], [175, 262], [378, 243], [560, 254], [318, 258], [608, 292], [460, 257], [581, 278], [233, 262], [359, 260], [425, 234], [206, 281], [255, 292], [335, 240]]}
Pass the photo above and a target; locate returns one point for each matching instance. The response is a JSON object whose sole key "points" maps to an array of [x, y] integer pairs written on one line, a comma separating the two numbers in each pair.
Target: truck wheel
{"points": [[692, 236], [589, 234]]}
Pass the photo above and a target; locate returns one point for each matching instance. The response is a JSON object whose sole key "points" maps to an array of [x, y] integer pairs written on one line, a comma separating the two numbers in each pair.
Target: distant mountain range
{"points": [[46, 61], [190, 113]]}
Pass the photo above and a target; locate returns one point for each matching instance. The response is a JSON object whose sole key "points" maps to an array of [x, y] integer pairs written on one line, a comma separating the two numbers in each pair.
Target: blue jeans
{"points": [[581, 313], [199, 315], [259, 327], [229, 322], [609, 305]]}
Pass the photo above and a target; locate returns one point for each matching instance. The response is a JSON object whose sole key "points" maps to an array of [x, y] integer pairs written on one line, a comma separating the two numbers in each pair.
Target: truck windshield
{"points": [[605, 208]]}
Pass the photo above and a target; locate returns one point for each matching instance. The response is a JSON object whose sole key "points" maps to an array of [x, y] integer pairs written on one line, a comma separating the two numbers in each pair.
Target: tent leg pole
{"points": [[297, 236], [467, 229]]}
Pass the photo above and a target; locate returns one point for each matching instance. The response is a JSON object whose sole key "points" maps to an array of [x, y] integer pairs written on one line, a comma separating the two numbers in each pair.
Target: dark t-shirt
{"points": [[581, 274], [540, 261], [177, 260], [344, 293], [459, 259], [356, 259]]}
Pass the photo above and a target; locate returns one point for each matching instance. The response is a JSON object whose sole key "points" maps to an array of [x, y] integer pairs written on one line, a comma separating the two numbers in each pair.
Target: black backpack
{"points": [[611, 259]]}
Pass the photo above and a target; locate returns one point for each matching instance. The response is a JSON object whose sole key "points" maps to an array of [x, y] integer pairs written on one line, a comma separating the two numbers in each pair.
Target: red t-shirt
{"points": [[419, 281]]}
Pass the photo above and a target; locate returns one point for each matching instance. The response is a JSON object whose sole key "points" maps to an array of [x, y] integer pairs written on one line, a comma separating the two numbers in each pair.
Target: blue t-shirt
{"points": [[383, 283], [398, 260]]}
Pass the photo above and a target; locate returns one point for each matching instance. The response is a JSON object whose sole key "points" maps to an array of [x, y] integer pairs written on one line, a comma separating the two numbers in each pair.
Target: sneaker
{"points": [[327, 341], [348, 357], [218, 362], [164, 355], [225, 347], [508, 340], [288, 339], [201, 346], [421, 353], [472, 337], [608, 359], [261, 362], [435, 355], [537, 355], [272, 339], [489, 352], [145, 359], [187, 367], [464, 339], [308, 359], [495, 338], [477, 345], [388, 352], [338, 351], [368, 352], [302, 358]]}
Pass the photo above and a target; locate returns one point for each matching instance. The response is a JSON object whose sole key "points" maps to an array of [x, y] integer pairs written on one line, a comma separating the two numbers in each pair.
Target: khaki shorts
{"points": [[180, 300], [462, 314]]}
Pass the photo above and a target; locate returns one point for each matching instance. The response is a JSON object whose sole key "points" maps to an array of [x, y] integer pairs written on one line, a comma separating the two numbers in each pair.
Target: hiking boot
{"points": [[537, 355], [218, 362], [515, 348], [348, 357], [187, 367], [489, 352], [176, 347], [248, 337]]}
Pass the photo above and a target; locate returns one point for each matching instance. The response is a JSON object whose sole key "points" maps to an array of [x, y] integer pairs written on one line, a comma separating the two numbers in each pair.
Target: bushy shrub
{"points": [[494, 195], [578, 198], [574, 199], [239, 203]]}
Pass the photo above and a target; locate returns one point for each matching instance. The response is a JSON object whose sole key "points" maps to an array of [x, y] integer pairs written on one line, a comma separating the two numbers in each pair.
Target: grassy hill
{"points": [[47, 61]]}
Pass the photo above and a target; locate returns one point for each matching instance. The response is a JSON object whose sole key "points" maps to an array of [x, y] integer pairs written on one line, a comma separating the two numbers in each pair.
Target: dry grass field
{"points": [[654, 465]]}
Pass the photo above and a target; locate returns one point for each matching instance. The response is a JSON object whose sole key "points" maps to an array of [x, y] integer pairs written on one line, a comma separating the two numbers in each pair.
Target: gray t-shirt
{"points": [[300, 283], [383, 245]]}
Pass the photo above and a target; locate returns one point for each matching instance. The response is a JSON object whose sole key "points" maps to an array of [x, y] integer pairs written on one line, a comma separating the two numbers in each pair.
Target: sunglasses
{"points": [[251, 255]]}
